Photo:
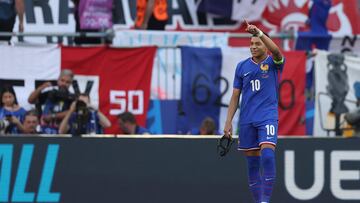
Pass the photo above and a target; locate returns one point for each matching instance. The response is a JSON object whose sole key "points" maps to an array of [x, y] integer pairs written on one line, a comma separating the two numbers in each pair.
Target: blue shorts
{"points": [[253, 135]]}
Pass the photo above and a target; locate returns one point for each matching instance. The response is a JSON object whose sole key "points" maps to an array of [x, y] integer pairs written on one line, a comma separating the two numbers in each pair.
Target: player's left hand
{"points": [[228, 129], [252, 29]]}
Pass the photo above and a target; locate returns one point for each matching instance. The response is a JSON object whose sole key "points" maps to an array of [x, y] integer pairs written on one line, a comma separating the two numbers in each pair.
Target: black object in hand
{"points": [[224, 145]]}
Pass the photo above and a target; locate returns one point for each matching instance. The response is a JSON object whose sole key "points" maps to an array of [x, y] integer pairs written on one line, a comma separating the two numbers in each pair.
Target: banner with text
{"points": [[57, 16], [94, 170], [119, 79], [124, 76]]}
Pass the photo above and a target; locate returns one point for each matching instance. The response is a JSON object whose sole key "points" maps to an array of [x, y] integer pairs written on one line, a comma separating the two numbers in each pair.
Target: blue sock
{"points": [[269, 173], [254, 178]]}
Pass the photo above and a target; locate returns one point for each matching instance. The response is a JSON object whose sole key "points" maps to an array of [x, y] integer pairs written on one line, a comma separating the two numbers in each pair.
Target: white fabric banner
{"points": [[249, 10], [131, 38], [47, 16], [347, 44], [28, 64], [334, 86]]}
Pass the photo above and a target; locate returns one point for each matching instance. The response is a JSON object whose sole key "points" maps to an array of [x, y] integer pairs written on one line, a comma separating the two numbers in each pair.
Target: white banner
{"points": [[131, 38], [349, 44], [47, 16], [334, 83], [57, 17], [249, 10], [28, 64]]}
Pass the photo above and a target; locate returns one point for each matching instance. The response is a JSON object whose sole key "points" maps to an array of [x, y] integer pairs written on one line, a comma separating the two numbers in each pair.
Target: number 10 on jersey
{"points": [[255, 85], [270, 129]]}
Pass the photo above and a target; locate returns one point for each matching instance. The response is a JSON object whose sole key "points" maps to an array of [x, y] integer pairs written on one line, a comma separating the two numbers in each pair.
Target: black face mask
{"points": [[224, 145]]}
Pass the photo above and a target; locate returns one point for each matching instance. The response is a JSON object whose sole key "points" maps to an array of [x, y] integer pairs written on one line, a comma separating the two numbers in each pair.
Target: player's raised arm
{"points": [[272, 47]]}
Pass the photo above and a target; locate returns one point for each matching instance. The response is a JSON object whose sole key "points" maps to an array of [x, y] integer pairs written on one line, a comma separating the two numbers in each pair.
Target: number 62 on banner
{"points": [[131, 101]]}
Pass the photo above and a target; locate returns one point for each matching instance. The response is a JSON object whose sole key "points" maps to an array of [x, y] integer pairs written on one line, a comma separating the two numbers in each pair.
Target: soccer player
{"points": [[257, 79]]}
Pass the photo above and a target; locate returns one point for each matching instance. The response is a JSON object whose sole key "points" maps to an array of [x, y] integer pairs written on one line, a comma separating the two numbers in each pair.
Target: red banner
{"points": [[124, 78], [292, 95]]}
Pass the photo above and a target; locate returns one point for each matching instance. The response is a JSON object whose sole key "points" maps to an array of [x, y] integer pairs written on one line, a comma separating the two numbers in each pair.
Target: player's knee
{"points": [[268, 157], [266, 145], [253, 162]]}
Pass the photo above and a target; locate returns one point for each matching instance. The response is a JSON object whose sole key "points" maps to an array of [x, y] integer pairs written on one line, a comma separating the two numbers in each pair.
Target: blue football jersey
{"points": [[258, 83]]}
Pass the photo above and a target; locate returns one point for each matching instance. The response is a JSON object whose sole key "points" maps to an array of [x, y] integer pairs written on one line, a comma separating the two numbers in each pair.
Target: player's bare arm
{"points": [[234, 102], [270, 45]]}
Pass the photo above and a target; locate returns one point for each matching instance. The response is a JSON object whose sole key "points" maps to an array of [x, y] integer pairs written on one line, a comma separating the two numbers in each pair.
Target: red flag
{"points": [[292, 95], [124, 75]]}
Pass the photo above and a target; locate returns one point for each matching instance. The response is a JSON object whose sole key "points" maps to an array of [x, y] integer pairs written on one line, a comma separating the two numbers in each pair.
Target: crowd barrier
{"points": [[109, 34], [170, 169]]}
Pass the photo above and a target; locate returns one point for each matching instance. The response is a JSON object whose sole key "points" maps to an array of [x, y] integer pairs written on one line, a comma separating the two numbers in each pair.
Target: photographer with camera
{"points": [[82, 118], [10, 112], [53, 102]]}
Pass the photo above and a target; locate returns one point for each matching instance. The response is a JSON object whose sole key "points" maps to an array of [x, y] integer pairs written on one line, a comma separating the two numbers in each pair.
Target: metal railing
{"points": [[104, 36], [108, 35]]}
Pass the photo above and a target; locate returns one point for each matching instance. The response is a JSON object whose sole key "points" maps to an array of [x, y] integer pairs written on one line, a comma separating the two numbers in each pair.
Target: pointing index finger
{"points": [[245, 21]]}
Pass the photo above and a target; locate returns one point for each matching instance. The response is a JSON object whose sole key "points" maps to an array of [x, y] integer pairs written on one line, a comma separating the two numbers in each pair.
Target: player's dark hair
{"points": [[9, 89]]}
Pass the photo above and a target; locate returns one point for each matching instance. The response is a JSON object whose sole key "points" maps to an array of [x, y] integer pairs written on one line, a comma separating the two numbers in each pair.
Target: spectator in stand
{"points": [[151, 14], [8, 11], [207, 127], [82, 118], [82, 39], [31, 124], [53, 101], [10, 111], [128, 125]]}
